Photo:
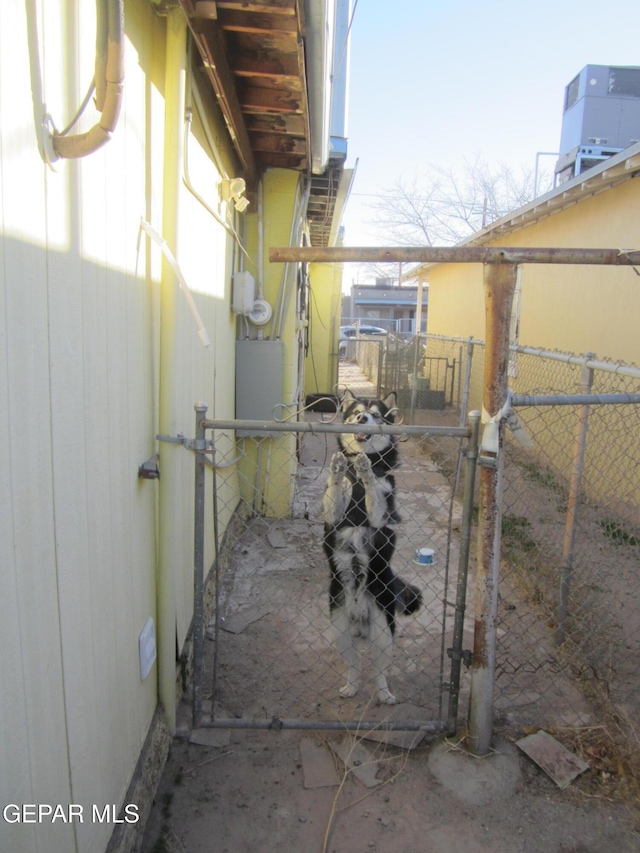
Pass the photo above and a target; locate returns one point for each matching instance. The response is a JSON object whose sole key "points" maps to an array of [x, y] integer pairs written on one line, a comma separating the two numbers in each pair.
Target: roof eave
{"points": [[621, 167]]}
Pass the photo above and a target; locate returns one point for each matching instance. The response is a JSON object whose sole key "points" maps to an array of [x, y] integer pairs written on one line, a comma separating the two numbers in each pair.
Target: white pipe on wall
{"points": [[109, 83]]}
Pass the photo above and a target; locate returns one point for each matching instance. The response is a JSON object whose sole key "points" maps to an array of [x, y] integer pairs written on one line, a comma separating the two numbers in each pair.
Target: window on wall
{"points": [[514, 325]]}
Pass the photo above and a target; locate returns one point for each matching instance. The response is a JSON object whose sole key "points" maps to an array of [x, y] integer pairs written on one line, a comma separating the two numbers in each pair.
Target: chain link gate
{"points": [[265, 657]]}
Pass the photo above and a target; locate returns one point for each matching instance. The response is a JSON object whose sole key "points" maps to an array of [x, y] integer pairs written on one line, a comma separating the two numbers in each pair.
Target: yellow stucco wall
{"points": [[268, 467], [575, 309], [321, 369]]}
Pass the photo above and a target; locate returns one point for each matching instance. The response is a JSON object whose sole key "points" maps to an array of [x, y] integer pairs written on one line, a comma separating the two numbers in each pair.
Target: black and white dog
{"points": [[359, 541]]}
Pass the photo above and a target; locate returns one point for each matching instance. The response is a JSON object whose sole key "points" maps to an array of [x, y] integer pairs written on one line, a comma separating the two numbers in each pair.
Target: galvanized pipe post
{"points": [[456, 652], [499, 287], [466, 388], [198, 561], [577, 468]]}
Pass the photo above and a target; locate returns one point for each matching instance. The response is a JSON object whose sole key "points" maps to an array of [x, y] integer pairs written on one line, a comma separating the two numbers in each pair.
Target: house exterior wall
{"points": [[321, 369], [571, 308], [100, 353]]}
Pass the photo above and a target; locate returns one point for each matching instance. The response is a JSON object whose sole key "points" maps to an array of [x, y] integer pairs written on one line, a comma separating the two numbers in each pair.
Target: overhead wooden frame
{"points": [[252, 53]]}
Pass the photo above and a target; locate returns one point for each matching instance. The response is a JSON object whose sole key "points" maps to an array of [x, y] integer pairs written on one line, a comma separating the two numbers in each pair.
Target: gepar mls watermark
{"points": [[69, 813]]}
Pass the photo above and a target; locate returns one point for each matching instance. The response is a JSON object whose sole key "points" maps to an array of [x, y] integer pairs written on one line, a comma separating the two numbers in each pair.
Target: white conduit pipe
{"points": [[166, 251], [109, 77]]}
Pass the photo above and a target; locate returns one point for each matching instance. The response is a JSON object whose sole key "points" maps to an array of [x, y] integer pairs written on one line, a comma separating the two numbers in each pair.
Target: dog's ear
{"points": [[391, 401], [347, 400]]}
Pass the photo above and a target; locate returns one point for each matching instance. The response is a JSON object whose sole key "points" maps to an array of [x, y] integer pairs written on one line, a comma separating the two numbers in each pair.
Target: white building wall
{"points": [[79, 380]]}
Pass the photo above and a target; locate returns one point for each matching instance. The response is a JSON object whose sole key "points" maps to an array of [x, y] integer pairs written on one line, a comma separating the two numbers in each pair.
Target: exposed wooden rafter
{"points": [[253, 56]]}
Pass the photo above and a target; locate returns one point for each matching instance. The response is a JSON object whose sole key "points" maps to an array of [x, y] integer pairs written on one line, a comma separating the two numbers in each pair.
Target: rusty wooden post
{"points": [[499, 287]]}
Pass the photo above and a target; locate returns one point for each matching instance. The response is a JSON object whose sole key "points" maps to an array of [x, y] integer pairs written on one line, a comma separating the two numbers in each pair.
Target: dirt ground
{"points": [[241, 789], [249, 796]]}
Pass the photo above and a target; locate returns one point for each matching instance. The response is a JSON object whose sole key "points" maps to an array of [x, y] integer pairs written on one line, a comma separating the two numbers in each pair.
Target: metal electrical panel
{"points": [[259, 367]]}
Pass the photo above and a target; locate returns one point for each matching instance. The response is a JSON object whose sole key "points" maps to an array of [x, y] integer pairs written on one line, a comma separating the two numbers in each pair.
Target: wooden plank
{"points": [[283, 161], [270, 7], [242, 22], [282, 69], [291, 124], [256, 99], [214, 55], [279, 144]]}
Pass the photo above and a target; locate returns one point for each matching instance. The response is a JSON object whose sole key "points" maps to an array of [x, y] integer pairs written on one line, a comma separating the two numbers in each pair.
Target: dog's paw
{"points": [[347, 691], [408, 597], [362, 466], [338, 464], [385, 697]]}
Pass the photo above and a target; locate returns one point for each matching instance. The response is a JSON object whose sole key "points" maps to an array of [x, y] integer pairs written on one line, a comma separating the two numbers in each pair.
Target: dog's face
{"points": [[355, 411]]}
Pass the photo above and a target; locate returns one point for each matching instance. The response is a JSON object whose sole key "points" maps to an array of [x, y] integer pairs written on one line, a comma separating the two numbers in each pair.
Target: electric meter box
{"points": [[258, 380], [243, 293]]}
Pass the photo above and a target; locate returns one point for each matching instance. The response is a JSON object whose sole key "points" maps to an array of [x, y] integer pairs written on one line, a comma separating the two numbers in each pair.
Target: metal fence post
{"points": [[456, 653], [577, 468], [499, 287], [198, 561], [466, 388]]}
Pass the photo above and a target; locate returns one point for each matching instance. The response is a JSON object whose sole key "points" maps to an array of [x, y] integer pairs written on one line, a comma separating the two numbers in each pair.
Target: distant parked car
{"points": [[353, 331], [347, 333]]}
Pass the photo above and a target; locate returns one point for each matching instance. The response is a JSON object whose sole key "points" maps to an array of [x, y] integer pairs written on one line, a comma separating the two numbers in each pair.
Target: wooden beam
{"points": [[214, 57], [279, 144], [287, 124], [282, 69], [255, 99], [274, 7], [241, 22], [455, 254]]}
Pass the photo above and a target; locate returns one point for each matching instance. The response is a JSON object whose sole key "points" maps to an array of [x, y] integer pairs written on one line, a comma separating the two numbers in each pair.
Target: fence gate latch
{"points": [[465, 655], [490, 447], [196, 444]]}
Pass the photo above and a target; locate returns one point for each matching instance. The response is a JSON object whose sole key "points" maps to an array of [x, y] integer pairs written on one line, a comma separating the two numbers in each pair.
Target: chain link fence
{"points": [[569, 621], [268, 650]]}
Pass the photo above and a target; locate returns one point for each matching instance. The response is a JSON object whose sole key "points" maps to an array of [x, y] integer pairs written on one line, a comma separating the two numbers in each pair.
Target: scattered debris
{"points": [[318, 767], [552, 757], [276, 539], [237, 622], [358, 760]]}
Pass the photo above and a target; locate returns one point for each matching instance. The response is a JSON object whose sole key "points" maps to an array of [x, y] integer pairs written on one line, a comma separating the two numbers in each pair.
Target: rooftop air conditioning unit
{"points": [[601, 113]]}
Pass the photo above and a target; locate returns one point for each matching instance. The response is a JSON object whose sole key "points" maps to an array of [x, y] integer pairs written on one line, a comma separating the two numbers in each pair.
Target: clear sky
{"points": [[435, 81]]}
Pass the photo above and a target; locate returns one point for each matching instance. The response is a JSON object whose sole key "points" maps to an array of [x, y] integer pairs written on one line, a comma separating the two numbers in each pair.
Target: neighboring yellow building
{"points": [[570, 308], [576, 310]]}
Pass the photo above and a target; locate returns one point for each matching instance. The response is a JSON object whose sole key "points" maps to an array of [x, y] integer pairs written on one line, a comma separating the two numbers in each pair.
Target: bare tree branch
{"points": [[445, 206]]}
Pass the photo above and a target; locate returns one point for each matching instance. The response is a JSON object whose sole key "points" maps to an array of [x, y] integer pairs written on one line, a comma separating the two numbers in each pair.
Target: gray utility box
{"points": [[259, 367]]}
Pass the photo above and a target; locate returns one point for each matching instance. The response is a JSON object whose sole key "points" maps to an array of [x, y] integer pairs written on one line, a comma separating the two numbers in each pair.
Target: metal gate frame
{"points": [[202, 447], [500, 266]]}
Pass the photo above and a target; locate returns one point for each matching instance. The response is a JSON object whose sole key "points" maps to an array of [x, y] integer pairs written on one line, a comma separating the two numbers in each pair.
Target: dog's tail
{"points": [[408, 596]]}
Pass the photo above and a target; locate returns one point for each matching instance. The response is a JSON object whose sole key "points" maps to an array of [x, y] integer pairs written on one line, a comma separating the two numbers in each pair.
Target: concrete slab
{"points": [[476, 781], [358, 760], [237, 622], [549, 754], [318, 766], [276, 538]]}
